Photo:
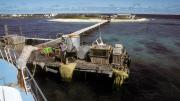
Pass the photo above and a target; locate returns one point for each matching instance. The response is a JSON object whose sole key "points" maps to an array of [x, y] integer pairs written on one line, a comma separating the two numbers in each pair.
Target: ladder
{"points": [[9, 55]]}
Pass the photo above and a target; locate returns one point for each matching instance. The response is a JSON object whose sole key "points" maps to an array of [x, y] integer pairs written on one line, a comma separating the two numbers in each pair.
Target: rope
{"points": [[15, 56], [34, 70]]}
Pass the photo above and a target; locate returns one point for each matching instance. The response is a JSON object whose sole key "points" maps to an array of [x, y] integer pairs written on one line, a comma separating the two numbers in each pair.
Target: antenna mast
{"points": [[100, 37]]}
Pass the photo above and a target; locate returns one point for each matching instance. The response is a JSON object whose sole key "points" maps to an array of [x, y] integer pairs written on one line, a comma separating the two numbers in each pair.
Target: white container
{"points": [[75, 41]]}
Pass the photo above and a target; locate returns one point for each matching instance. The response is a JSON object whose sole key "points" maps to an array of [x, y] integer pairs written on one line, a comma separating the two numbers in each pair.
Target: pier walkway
{"points": [[87, 29], [79, 32]]}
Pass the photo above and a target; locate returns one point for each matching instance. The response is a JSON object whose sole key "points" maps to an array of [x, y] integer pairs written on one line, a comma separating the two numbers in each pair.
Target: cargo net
{"points": [[66, 71], [120, 76]]}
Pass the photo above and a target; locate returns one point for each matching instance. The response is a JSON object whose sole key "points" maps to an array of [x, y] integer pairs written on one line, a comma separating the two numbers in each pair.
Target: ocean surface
{"points": [[154, 48], [39, 27]]}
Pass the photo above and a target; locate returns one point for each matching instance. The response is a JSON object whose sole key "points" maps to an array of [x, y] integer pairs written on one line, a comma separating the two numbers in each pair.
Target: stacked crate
{"points": [[100, 54], [118, 54]]}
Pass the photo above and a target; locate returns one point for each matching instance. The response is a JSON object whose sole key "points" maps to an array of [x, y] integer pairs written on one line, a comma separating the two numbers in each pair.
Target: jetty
{"points": [[49, 64], [79, 32]]}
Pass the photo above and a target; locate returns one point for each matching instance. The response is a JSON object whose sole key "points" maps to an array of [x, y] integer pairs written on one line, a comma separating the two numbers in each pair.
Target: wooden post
{"points": [[6, 30], [85, 76], [20, 29]]}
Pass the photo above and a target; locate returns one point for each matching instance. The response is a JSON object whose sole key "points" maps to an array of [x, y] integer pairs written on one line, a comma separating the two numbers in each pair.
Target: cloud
{"points": [[117, 6]]}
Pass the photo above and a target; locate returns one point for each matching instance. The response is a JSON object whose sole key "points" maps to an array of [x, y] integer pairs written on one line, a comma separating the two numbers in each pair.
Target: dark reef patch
{"points": [[150, 82], [177, 44], [142, 41], [144, 81], [156, 48], [138, 49], [174, 57]]}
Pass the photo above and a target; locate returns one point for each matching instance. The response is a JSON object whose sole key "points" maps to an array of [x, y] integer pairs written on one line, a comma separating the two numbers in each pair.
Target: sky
{"points": [[89, 6]]}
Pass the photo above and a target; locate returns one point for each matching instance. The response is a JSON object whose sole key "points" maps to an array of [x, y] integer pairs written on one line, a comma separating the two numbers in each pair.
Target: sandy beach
{"points": [[99, 20], [130, 20]]}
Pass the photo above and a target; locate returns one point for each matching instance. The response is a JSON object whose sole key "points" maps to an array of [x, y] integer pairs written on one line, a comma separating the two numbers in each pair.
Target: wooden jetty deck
{"points": [[53, 65], [50, 64], [79, 32]]}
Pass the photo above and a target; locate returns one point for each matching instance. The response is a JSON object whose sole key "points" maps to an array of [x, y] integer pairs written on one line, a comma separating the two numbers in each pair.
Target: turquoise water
{"points": [[154, 50], [152, 41]]}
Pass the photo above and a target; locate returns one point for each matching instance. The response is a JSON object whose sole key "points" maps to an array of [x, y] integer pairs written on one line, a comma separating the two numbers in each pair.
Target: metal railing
{"points": [[8, 54], [35, 88], [28, 79]]}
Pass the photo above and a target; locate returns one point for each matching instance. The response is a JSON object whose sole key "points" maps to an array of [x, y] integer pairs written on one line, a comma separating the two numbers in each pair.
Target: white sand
{"points": [[100, 20], [130, 20]]}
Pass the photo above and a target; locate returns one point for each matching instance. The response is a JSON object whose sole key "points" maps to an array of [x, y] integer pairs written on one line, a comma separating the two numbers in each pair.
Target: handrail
{"points": [[6, 54], [40, 91], [9, 55], [24, 81]]}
